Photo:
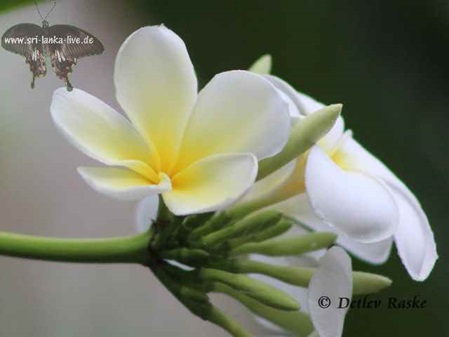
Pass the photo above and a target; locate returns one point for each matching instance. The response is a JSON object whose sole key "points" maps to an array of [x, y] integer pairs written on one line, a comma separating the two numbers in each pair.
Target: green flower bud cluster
{"points": [[214, 250]]}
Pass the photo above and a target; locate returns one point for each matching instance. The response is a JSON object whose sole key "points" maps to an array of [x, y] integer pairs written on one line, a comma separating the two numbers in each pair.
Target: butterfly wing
{"points": [[25, 39], [75, 43], [19, 39]]}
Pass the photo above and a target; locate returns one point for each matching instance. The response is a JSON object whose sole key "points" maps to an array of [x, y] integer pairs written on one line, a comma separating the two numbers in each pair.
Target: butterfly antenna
{"points": [[37, 7], [51, 10], [40, 14]]}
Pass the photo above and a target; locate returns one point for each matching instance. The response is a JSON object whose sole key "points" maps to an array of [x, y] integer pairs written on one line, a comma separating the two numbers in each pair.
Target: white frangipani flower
{"points": [[339, 186], [200, 151]]}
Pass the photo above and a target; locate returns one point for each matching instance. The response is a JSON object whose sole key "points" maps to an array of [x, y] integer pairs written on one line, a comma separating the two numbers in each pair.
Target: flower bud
{"points": [[277, 229], [367, 283], [249, 224], [262, 66], [303, 135], [363, 283], [292, 245], [258, 290], [216, 222], [294, 321]]}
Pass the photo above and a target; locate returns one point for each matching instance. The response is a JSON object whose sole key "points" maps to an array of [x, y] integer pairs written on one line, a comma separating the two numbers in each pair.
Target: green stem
{"points": [[106, 250], [220, 319]]}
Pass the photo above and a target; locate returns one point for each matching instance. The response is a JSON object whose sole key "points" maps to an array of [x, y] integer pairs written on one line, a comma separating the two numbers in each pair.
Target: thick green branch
{"points": [[108, 250]]}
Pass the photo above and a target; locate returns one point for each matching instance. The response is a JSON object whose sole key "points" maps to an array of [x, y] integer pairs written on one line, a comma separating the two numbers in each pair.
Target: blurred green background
{"points": [[387, 61]]}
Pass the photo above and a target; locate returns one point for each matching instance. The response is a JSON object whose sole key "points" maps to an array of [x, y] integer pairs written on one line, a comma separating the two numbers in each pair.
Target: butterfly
{"points": [[62, 44]]}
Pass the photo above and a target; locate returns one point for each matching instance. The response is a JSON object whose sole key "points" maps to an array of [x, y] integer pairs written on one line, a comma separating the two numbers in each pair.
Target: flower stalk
{"points": [[128, 249]]}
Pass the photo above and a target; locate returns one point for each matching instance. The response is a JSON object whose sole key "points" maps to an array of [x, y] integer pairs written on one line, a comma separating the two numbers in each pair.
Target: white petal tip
{"points": [[121, 183]]}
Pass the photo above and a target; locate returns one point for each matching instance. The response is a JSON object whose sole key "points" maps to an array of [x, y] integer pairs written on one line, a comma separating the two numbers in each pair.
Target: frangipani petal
{"points": [[100, 132], [306, 105], [299, 208], [288, 91], [295, 117], [414, 237], [374, 253], [146, 213], [333, 279], [355, 157], [331, 140], [156, 86], [271, 183], [358, 205], [211, 184], [237, 112], [120, 183]]}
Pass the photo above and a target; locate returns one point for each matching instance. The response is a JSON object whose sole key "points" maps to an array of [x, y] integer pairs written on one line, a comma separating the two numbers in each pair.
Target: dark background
{"points": [[387, 61]]}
